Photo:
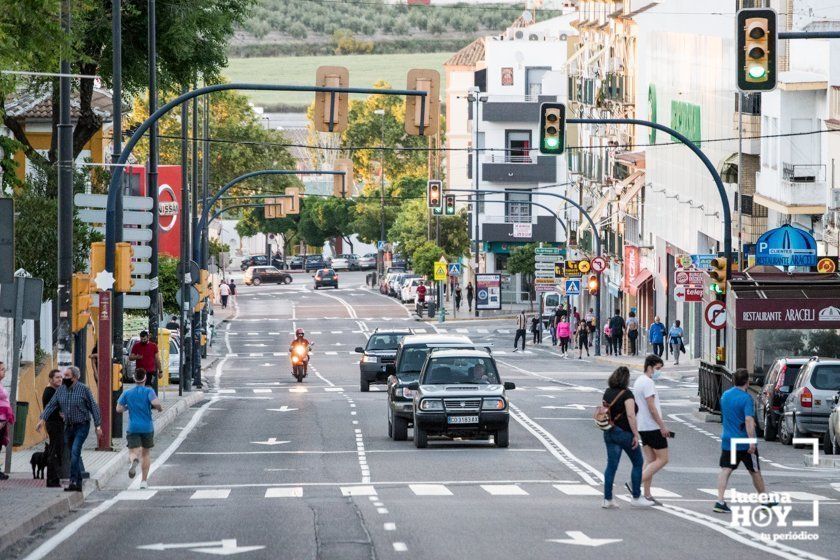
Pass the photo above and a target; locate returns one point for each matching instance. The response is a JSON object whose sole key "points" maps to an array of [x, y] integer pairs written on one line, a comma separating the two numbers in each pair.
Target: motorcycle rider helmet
{"points": [[299, 333]]}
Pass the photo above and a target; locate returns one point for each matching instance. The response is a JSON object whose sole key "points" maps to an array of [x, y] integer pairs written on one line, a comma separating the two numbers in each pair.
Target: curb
{"points": [[603, 360]]}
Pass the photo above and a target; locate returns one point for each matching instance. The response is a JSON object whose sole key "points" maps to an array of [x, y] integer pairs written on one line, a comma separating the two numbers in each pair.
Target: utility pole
{"points": [[205, 179], [65, 203], [152, 175], [116, 311], [476, 103], [196, 316], [381, 252], [184, 372]]}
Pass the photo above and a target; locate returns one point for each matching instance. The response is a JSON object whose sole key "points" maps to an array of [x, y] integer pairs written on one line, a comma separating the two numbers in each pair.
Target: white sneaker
{"points": [[641, 501], [144, 484], [609, 504]]}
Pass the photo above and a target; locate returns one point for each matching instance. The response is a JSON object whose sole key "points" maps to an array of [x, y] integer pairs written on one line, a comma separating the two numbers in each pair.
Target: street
{"points": [[266, 467]]}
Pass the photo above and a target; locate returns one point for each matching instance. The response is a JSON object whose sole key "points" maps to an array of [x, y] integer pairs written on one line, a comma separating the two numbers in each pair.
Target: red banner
{"points": [[169, 204], [632, 265]]}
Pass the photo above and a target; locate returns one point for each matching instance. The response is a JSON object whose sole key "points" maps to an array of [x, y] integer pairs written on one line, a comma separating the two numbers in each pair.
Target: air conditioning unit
{"points": [[519, 34], [564, 37], [533, 37]]}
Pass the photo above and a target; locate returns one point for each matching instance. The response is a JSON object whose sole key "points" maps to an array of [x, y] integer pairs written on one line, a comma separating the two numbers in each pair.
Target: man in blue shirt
{"points": [[656, 336], [139, 403], [738, 415]]}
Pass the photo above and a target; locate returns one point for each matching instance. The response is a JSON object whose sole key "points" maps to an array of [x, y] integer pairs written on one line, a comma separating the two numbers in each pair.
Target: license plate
{"points": [[462, 419]]}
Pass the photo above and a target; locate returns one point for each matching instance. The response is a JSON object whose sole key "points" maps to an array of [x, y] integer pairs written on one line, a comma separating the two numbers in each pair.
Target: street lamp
{"points": [[381, 248]]}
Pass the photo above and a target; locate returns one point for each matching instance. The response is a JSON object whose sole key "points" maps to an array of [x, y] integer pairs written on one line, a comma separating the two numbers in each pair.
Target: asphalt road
{"points": [[269, 468]]}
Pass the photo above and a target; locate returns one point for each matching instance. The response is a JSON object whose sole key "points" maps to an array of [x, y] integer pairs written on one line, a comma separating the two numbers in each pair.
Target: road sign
{"points": [[101, 201], [599, 264], [584, 266], [455, 269], [488, 291], [440, 270], [573, 287], [688, 294], [715, 315], [827, 265], [193, 297], [703, 262], [572, 268], [547, 251], [380, 245], [33, 291], [683, 261], [689, 277], [130, 217]]}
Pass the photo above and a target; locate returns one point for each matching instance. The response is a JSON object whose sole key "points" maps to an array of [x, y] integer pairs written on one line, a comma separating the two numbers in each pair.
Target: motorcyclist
{"points": [[301, 339]]}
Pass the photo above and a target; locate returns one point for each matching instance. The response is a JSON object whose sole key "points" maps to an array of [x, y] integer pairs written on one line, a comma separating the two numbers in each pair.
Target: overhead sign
{"points": [[522, 231], [573, 287], [599, 264], [688, 294], [789, 313], [689, 277], [488, 291], [715, 315], [786, 246]]}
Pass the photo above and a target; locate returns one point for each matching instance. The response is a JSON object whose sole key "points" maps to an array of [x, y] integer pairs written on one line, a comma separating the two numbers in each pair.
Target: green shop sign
{"points": [[652, 112], [685, 119]]}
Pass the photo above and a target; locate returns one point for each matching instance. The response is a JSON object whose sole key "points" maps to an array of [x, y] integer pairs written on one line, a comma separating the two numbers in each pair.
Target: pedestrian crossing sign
{"points": [[573, 287], [455, 269]]}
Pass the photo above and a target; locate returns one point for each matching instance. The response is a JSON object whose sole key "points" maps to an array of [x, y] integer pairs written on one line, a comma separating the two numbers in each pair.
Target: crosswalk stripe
{"points": [[482, 331], [504, 490], [226, 391], [298, 390], [261, 390], [462, 330], [578, 489], [256, 354], [358, 491], [136, 495], [331, 353], [292, 492], [443, 331], [211, 494], [333, 389], [662, 493], [430, 490], [420, 331]]}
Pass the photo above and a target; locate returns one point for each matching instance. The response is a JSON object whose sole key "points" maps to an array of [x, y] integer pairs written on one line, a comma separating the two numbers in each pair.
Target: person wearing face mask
{"points": [[75, 401], [652, 427]]}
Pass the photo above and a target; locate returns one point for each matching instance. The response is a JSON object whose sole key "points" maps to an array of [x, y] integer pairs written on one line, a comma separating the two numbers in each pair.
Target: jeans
{"points": [[631, 339], [520, 333], [74, 438], [675, 350], [616, 341], [618, 440], [537, 337], [658, 348]]}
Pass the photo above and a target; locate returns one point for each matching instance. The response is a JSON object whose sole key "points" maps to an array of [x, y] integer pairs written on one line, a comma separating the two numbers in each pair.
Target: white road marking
{"points": [[138, 495], [400, 547], [358, 491], [578, 489], [298, 390], [390, 526], [430, 490], [261, 390], [292, 492], [504, 490], [382, 511], [211, 494]]}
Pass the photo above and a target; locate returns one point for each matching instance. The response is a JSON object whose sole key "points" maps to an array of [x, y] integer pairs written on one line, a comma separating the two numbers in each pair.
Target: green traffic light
{"points": [[757, 72], [551, 142]]}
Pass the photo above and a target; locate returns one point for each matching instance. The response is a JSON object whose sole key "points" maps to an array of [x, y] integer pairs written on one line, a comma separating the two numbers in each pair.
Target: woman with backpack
{"points": [[617, 418]]}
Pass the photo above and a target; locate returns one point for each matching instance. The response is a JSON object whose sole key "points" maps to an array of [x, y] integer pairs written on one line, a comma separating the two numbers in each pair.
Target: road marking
{"points": [[333, 389], [390, 526], [298, 390], [224, 547], [400, 547], [211, 494], [430, 490], [283, 408], [270, 441], [261, 390], [578, 489], [504, 490], [135, 495], [293, 492], [382, 511], [578, 538], [358, 491], [331, 353], [225, 391]]}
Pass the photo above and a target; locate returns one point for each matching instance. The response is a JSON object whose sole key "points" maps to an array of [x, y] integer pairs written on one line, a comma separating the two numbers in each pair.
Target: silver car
{"points": [[809, 404], [831, 443]]}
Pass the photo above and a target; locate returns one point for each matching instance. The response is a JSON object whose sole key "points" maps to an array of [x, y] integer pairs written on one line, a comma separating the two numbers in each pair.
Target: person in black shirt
{"points": [[622, 436], [617, 332], [55, 431]]}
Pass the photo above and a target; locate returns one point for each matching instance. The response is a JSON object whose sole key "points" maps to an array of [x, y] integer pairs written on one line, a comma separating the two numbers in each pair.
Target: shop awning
{"points": [[636, 283], [631, 187]]}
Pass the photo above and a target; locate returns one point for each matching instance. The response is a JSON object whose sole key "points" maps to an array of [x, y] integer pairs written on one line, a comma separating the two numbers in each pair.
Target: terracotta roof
{"points": [[521, 22], [36, 105], [469, 55]]}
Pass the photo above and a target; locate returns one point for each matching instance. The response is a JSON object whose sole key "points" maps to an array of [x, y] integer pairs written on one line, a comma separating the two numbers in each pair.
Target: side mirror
{"points": [[360, 350], [414, 386], [510, 385]]}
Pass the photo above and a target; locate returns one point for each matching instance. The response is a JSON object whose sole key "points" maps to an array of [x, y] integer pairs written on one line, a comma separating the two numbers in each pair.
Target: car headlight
{"points": [[494, 404], [431, 404], [370, 359], [407, 393]]}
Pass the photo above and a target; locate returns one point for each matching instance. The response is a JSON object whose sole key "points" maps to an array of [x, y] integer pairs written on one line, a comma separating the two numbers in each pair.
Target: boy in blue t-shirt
{"points": [[140, 436], [738, 415]]}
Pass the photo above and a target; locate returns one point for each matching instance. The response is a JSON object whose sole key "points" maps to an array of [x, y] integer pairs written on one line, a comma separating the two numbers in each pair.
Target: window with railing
{"points": [[750, 103], [803, 173], [518, 208], [518, 144]]}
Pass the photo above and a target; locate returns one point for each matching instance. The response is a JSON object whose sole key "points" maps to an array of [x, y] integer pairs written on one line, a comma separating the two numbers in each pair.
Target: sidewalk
{"points": [[686, 368]]}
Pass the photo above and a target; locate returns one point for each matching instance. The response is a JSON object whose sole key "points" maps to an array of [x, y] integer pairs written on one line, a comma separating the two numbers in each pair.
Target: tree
{"points": [[523, 261], [169, 283], [410, 227], [325, 218], [254, 221], [192, 40], [454, 234], [824, 343], [424, 257]]}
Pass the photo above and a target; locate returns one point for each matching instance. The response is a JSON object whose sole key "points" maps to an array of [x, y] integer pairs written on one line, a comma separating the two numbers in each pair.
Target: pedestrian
{"points": [[145, 355], [656, 336], [675, 341], [632, 333], [140, 436], [75, 401], [652, 427], [564, 334], [457, 297], [590, 318], [173, 324], [470, 293], [582, 339], [623, 435], [224, 293], [232, 286], [421, 298], [617, 332], [536, 329], [573, 324], [738, 417], [552, 326], [608, 339], [55, 431], [521, 323], [7, 416]]}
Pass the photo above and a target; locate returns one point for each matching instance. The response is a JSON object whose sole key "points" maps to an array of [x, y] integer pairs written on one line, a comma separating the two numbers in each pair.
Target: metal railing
{"points": [[713, 381], [803, 173], [509, 158]]}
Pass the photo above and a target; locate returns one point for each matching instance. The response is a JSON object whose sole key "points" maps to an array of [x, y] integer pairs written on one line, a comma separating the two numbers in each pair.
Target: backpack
{"points": [[602, 414]]}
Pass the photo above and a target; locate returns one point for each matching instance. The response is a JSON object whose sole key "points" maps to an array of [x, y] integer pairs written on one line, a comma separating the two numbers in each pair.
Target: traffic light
{"points": [[718, 275], [429, 81], [343, 184], [203, 289], [97, 258], [592, 284], [292, 203], [757, 38], [450, 204], [552, 128], [330, 113], [274, 208], [81, 301], [434, 193], [123, 267]]}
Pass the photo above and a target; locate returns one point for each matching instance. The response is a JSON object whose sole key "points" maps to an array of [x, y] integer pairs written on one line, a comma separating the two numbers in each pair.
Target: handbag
{"points": [[602, 414]]}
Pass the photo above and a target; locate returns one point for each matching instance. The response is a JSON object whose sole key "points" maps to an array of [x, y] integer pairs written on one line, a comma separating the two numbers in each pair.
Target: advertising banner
{"points": [[786, 246], [169, 204], [798, 313], [632, 258], [488, 291]]}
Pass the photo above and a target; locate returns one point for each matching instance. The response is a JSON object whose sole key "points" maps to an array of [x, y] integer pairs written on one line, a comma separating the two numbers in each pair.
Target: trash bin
{"points": [[373, 279], [430, 309], [21, 412]]}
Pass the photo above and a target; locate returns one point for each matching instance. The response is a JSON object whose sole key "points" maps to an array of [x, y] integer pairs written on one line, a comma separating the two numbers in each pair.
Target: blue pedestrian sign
{"points": [[380, 245], [573, 287], [455, 269]]}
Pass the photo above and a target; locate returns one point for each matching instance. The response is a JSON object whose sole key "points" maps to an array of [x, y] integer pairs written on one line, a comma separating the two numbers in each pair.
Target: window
{"points": [[470, 370], [533, 80], [518, 207], [518, 145]]}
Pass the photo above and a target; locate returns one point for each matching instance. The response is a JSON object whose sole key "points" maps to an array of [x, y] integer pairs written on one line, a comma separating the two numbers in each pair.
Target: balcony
{"points": [[798, 173], [506, 168], [514, 108], [796, 189], [545, 229]]}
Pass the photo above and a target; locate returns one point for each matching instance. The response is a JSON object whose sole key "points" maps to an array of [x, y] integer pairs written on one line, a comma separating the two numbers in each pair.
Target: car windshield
{"points": [[412, 359], [457, 370], [826, 378], [384, 341], [790, 374]]}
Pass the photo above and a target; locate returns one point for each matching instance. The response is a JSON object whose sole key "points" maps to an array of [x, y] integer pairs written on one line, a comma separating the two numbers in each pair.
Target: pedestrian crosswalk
{"points": [[381, 388]]}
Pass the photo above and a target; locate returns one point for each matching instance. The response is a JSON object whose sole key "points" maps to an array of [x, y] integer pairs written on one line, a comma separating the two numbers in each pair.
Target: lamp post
{"points": [[381, 248]]}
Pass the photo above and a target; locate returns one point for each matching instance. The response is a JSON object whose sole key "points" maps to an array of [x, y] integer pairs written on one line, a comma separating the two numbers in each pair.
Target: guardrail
{"points": [[713, 381]]}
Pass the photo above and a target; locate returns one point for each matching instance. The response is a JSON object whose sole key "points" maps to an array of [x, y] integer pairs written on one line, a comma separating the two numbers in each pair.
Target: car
{"points": [[174, 360], [808, 407], [345, 262], [257, 275], [279, 263], [406, 280], [254, 260], [296, 263], [459, 394], [398, 261], [409, 290], [326, 277], [770, 400], [831, 442], [396, 282], [378, 356], [314, 262], [411, 355], [367, 262]]}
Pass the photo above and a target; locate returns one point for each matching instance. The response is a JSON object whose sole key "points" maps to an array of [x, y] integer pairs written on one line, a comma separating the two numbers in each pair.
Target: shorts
{"points": [[146, 441], [750, 460], [654, 439]]}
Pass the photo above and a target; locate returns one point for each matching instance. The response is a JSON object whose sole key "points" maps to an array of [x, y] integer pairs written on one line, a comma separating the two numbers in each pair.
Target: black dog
{"points": [[39, 462]]}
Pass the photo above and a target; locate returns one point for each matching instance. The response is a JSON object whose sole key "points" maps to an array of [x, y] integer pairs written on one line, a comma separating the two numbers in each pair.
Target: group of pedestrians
{"points": [[227, 290], [566, 328]]}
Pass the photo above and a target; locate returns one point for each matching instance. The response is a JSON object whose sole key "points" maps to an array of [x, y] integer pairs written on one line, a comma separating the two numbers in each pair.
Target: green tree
{"points": [[824, 343], [410, 227], [424, 257], [523, 261], [454, 234], [215, 247], [168, 283], [254, 221]]}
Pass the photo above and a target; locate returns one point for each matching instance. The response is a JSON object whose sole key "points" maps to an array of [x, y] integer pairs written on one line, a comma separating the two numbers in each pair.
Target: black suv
{"points": [[409, 361], [770, 401], [379, 355], [255, 260]]}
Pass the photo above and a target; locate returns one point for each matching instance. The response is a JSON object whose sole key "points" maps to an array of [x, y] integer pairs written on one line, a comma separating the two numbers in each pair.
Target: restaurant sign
{"points": [[786, 246], [787, 314]]}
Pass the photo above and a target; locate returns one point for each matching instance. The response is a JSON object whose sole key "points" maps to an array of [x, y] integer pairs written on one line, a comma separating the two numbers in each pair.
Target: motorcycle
{"points": [[299, 356]]}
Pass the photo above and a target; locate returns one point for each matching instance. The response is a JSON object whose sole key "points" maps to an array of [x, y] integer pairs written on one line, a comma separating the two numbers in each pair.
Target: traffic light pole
{"points": [[195, 329]]}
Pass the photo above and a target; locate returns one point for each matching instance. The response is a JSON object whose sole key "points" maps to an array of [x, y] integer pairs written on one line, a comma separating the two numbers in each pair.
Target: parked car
{"points": [[367, 262], [808, 407], [396, 283], [398, 261], [279, 263], [315, 262], [257, 275], [378, 356], [459, 394], [770, 401], [326, 277], [831, 442], [253, 260], [411, 355], [296, 263], [409, 290], [345, 262], [174, 360]]}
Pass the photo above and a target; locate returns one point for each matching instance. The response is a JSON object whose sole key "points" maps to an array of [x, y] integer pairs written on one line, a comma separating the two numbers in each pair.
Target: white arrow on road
{"points": [[270, 441], [569, 407], [580, 539], [283, 408], [224, 547]]}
